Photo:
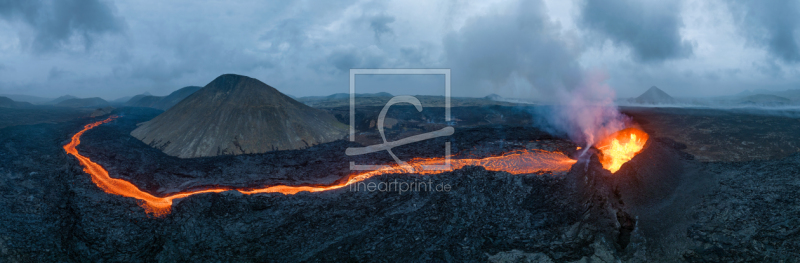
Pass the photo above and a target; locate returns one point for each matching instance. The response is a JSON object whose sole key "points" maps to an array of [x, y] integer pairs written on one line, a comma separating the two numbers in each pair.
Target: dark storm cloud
{"points": [[56, 73], [494, 50], [291, 31], [189, 52], [55, 23], [651, 29], [774, 25], [520, 48], [380, 25], [346, 59], [415, 56]]}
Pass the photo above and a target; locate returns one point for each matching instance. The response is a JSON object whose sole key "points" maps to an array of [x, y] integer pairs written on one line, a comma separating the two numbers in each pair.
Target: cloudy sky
{"points": [[513, 48]]}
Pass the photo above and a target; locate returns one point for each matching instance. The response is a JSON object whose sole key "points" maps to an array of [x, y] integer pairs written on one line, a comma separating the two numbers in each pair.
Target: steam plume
{"points": [[585, 114]]}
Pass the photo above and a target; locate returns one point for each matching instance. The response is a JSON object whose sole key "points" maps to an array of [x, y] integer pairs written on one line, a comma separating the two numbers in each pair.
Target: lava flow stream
{"points": [[520, 162]]}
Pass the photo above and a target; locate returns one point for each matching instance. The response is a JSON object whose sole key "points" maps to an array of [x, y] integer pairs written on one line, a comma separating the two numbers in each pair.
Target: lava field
{"points": [[665, 204]]}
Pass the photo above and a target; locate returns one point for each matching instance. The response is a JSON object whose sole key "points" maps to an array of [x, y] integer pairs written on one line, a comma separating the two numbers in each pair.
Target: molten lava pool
{"points": [[621, 147], [520, 162]]}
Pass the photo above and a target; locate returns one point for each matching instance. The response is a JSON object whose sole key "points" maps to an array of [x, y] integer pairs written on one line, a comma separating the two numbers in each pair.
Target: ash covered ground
{"points": [[672, 202]]}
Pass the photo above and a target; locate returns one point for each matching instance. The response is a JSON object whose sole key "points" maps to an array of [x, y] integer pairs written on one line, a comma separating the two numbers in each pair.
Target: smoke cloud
{"points": [[525, 52], [519, 49], [56, 24], [774, 25], [585, 114], [651, 29]]}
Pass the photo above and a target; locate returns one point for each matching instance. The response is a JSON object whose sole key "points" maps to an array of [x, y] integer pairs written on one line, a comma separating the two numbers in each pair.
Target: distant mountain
{"points": [[654, 95], [175, 97], [122, 100], [27, 98], [792, 94], [493, 97], [764, 100], [136, 98], [6, 102], [62, 98], [146, 101], [83, 103], [132, 101], [347, 96], [238, 115], [748, 92], [162, 103]]}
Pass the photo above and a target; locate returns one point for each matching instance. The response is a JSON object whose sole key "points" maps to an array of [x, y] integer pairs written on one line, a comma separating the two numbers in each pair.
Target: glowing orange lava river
{"points": [[520, 162]]}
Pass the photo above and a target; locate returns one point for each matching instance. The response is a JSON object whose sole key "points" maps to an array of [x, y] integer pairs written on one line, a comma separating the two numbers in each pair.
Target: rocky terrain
{"points": [[663, 206], [713, 135]]}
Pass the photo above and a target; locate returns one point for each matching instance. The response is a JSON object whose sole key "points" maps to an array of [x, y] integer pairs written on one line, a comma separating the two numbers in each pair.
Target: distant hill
{"points": [[122, 100], [6, 102], [146, 101], [27, 98], [162, 103], [62, 98], [493, 97], [765, 100], [132, 101], [654, 95], [238, 115], [748, 92], [175, 97], [792, 94], [346, 96], [83, 103]]}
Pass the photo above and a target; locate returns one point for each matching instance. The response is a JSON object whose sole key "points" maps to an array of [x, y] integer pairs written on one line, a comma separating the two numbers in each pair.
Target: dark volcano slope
{"points": [[652, 175], [682, 210], [237, 115]]}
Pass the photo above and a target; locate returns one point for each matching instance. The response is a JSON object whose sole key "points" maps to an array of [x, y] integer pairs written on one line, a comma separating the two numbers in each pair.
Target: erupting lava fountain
{"points": [[620, 147]]}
